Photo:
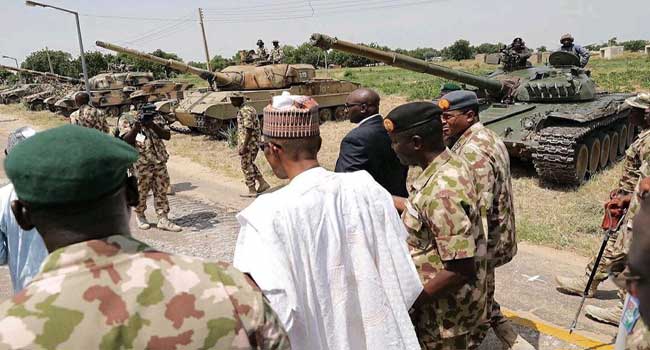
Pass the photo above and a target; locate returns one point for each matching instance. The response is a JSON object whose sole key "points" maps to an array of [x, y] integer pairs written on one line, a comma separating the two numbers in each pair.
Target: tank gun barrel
{"points": [[219, 79], [43, 74], [326, 42]]}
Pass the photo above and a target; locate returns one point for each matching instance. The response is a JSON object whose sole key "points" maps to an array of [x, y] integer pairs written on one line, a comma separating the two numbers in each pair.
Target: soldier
{"points": [[488, 158], [446, 240], [248, 137], [87, 115], [277, 54], [517, 55], [261, 53], [100, 287], [621, 197], [567, 45], [146, 133]]}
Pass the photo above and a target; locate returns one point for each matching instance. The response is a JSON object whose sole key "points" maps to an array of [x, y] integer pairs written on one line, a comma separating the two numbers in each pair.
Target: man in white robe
{"points": [[328, 250]]}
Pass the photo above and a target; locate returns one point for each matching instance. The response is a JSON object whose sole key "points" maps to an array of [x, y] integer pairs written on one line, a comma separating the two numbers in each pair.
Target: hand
{"points": [[422, 299]]}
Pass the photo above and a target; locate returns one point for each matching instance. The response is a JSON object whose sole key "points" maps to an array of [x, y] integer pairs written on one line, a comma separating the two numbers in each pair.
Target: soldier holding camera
{"points": [[146, 133]]}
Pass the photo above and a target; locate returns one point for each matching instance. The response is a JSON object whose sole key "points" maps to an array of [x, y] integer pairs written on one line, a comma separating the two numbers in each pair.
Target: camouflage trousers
{"points": [[494, 316], [455, 343], [152, 177], [611, 255], [248, 167]]}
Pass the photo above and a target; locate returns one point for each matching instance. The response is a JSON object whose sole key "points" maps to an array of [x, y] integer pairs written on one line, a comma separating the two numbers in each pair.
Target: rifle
{"points": [[610, 228]]}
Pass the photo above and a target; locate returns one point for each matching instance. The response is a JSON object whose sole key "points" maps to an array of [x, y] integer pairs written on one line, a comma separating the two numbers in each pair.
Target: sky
{"points": [[233, 25]]}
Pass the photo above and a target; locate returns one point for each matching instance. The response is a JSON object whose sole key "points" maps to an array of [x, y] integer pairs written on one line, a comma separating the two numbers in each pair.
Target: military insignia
{"points": [[444, 104], [389, 125]]}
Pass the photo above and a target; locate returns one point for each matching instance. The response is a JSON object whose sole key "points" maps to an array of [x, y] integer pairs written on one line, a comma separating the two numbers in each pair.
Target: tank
{"points": [[551, 115], [109, 91], [52, 85], [209, 111], [159, 90]]}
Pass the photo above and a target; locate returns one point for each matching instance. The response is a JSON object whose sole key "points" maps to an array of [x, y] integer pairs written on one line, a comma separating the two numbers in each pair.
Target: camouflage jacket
{"points": [[632, 162], [247, 119], [443, 222], [90, 117], [119, 293], [639, 338], [489, 161], [277, 55], [262, 54], [150, 146]]}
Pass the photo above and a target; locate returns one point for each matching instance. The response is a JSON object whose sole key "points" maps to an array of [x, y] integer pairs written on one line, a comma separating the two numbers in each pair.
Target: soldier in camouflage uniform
{"points": [[146, 133], [248, 138], [102, 289], [489, 161], [87, 115], [277, 54], [446, 239], [634, 156], [261, 54]]}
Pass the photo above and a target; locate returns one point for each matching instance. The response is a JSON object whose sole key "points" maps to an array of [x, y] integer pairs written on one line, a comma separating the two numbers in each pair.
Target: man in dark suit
{"points": [[368, 147]]}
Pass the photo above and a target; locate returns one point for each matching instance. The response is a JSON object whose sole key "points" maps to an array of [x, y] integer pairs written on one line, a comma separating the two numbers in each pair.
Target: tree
{"points": [[460, 50], [542, 49], [612, 42], [62, 63], [96, 62], [634, 45], [159, 71], [218, 62], [488, 48], [305, 53]]}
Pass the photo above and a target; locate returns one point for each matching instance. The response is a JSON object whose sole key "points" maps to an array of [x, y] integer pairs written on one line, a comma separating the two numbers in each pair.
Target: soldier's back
{"points": [[120, 292]]}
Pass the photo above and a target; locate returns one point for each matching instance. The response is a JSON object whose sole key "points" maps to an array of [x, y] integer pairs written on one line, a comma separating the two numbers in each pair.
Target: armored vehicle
{"points": [[552, 115], [158, 90], [209, 110], [108, 91], [35, 97]]}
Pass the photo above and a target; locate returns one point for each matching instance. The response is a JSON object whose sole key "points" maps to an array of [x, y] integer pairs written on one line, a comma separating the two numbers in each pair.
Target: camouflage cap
{"points": [[68, 165], [410, 115], [566, 36], [456, 100], [641, 100]]}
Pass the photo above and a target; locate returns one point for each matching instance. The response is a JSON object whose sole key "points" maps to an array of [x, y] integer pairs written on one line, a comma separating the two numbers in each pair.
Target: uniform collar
{"points": [[367, 118], [466, 136], [94, 252], [432, 169]]}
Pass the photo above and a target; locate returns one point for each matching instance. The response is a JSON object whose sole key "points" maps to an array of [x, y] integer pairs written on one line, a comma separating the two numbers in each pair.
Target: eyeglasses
{"points": [[350, 105]]}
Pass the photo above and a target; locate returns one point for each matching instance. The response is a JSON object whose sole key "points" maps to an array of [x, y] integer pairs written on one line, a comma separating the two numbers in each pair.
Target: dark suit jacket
{"points": [[367, 147]]}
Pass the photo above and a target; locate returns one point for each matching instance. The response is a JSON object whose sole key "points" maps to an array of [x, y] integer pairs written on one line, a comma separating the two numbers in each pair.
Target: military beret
{"points": [[68, 165], [456, 100], [410, 115], [641, 100]]}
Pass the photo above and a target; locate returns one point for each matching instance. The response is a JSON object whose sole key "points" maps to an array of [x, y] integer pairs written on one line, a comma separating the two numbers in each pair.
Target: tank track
{"points": [[180, 129], [554, 156]]}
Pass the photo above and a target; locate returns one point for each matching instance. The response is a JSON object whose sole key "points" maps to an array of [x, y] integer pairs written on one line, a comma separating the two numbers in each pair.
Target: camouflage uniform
{"points": [[151, 166], [488, 158], [90, 117], [262, 54], [118, 293], [443, 222], [247, 120], [277, 55], [634, 156]]}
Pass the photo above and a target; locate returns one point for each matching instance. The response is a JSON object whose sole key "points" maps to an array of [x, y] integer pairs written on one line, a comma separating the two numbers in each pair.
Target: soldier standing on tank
{"points": [[261, 53], [248, 138], [87, 115], [102, 288], [488, 158], [277, 54], [146, 133], [621, 198], [567, 45], [518, 53], [446, 239]]}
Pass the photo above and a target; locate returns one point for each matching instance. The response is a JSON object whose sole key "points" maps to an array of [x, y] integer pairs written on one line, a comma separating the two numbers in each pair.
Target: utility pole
{"points": [[49, 61], [205, 41]]}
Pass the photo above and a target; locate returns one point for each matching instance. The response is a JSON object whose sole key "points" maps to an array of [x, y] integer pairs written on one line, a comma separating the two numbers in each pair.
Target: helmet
{"points": [[276, 42], [260, 42], [518, 41], [566, 36]]}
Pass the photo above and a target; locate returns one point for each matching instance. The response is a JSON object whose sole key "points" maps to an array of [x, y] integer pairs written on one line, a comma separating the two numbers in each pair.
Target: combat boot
{"points": [[264, 186], [510, 339], [610, 315], [166, 225], [576, 285], [142, 222]]}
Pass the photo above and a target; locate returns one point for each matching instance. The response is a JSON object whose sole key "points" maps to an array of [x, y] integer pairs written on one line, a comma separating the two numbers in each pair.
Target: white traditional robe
{"points": [[329, 252]]}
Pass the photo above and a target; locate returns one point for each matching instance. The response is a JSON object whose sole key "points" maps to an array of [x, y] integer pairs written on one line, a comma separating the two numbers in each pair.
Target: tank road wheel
{"points": [[339, 114], [582, 162], [614, 146], [593, 144], [605, 143], [11, 100], [37, 107], [325, 115], [622, 139]]}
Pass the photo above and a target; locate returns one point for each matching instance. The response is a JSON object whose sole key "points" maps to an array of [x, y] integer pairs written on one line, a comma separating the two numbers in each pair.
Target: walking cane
{"points": [[608, 233]]}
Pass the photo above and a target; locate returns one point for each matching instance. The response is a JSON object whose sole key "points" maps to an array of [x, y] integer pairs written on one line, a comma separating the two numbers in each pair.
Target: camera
{"points": [[147, 113]]}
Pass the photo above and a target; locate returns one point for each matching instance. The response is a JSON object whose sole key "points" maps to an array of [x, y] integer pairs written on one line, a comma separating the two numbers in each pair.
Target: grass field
{"points": [[565, 218]]}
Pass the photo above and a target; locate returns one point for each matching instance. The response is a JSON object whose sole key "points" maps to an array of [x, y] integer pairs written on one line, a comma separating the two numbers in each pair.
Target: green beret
{"points": [[68, 165], [456, 100], [449, 87], [410, 115]]}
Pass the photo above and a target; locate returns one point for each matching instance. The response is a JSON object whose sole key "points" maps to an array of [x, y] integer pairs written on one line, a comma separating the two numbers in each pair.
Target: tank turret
{"points": [[244, 77], [563, 81]]}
